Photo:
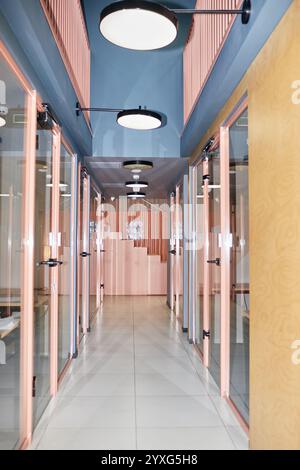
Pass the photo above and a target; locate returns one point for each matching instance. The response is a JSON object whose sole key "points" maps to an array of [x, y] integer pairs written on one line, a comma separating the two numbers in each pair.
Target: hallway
{"points": [[137, 384]]}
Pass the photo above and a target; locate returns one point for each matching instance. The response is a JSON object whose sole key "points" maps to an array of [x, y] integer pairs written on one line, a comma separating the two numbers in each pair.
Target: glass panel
{"points": [[215, 270], [239, 318], [199, 257], [64, 283], [42, 280], [12, 160], [180, 234], [93, 257]]}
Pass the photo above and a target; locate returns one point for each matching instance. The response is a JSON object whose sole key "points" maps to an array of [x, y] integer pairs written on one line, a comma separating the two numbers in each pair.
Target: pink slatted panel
{"points": [[206, 39], [66, 21]]}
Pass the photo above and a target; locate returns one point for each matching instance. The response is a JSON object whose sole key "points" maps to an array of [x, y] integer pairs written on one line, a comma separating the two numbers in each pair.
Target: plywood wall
{"points": [[274, 139], [274, 192]]}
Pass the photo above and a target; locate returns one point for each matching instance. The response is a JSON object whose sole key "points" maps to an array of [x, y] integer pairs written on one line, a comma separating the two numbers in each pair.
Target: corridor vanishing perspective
{"points": [[149, 228], [138, 384]]}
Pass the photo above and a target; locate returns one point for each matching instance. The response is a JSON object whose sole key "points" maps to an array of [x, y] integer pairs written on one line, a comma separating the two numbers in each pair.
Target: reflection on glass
{"points": [[42, 279], [80, 263], [240, 289], [93, 257], [11, 199], [180, 234], [199, 258], [64, 293], [215, 270]]}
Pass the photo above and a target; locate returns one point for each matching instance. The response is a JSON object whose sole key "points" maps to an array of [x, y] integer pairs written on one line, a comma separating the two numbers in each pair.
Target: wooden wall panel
{"points": [[274, 191], [274, 123]]}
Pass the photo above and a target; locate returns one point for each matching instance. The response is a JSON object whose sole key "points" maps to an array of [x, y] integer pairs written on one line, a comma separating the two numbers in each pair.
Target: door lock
{"points": [[172, 252], [216, 261], [84, 254]]}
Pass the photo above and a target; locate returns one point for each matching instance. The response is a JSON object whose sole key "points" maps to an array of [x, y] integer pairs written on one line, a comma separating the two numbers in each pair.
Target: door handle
{"points": [[172, 252], [51, 262], [84, 254], [216, 261]]}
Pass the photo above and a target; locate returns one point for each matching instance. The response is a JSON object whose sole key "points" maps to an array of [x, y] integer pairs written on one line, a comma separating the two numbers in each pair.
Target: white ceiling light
{"points": [[144, 25], [136, 184], [135, 195], [139, 119], [138, 25]]}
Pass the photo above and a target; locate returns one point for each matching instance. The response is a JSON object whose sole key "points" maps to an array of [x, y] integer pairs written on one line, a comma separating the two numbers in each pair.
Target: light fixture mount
{"points": [[135, 119], [145, 25]]}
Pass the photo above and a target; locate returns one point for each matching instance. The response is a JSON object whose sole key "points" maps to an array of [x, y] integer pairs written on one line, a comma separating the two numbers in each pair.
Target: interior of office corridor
{"points": [[149, 225]]}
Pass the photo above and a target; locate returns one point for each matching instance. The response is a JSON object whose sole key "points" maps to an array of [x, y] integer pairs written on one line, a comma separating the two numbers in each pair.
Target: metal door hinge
{"points": [[206, 334], [33, 386]]}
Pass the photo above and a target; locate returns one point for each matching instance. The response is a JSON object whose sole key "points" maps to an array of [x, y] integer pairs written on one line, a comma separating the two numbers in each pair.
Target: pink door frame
{"points": [[225, 255]]}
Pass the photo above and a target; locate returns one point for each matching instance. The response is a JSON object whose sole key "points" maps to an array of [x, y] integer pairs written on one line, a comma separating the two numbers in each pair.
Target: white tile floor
{"points": [[138, 384]]}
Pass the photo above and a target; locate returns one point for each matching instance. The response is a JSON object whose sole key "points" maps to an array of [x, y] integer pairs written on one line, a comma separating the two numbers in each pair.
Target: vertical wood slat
{"points": [[65, 18], [204, 44]]}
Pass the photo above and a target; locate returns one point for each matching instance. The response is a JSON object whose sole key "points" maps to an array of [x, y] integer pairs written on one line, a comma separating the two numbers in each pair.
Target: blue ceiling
{"points": [[126, 79]]}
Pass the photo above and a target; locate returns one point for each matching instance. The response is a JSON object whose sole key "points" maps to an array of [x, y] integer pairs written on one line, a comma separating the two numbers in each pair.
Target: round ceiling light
{"points": [[138, 165], [136, 184], [136, 195], [2, 121], [139, 119], [138, 25]]}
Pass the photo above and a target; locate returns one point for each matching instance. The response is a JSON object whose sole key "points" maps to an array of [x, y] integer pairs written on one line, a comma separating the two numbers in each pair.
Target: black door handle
{"points": [[102, 251], [84, 254], [172, 252], [216, 261], [51, 262]]}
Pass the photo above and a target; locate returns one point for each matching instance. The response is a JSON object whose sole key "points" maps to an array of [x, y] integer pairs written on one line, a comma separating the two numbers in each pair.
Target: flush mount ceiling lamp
{"points": [[137, 119], [142, 25], [137, 165], [135, 195], [3, 107], [136, 184]]}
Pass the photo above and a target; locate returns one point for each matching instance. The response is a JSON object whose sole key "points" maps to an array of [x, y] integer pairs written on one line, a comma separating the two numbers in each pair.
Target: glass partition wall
{"points": [[42, 276], [239, 265], [221, 260], [208, 261], [199, 258], [65, 274], [12, 167], [93, 258]]}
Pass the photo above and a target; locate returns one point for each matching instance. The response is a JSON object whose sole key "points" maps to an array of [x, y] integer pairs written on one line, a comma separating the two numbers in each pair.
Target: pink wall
{"points": [[207, 35], [129, 270]]}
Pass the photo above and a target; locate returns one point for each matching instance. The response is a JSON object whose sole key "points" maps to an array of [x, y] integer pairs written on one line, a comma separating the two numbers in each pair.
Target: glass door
{"points": [[12, 169], [179, 253], [214, 262], [42, 277], [199, 259], [65, 273], [239, 265], [84, 253], [93, 272]]}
